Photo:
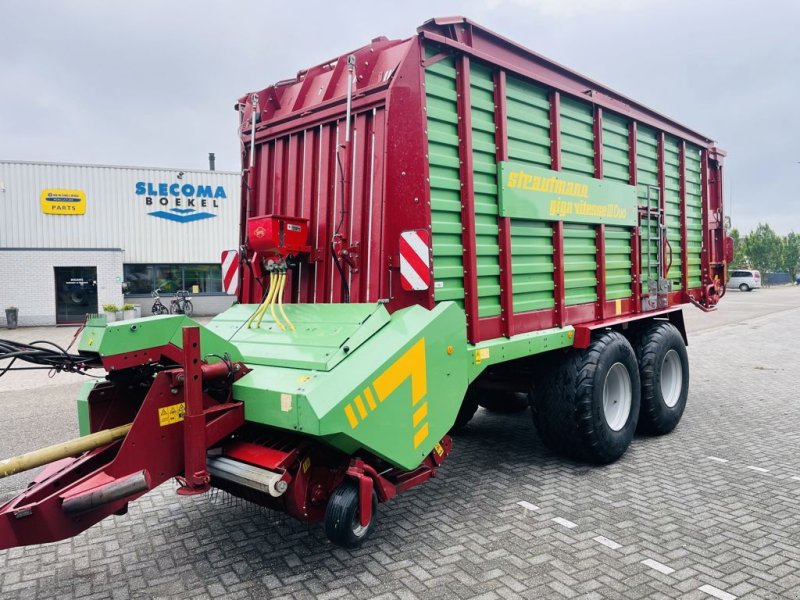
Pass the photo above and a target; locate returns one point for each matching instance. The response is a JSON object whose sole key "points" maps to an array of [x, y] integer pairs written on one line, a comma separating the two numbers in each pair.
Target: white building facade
{"points": [[74, 238]]}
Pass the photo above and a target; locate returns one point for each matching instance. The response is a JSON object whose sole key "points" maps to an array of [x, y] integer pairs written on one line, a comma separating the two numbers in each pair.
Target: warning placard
{"points": [[171, 414]]}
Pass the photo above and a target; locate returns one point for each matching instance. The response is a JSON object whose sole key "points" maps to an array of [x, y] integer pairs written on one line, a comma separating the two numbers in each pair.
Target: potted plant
{"points": [[129, 311], [111, 312], [12, 313]]}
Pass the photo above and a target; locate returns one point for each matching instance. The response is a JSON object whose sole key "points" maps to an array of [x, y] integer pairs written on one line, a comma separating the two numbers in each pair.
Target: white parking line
{"points": [[759, 469], [601, 539], [527, 505], [716, 592], [717, 459], [661, 568], [565, 523]]}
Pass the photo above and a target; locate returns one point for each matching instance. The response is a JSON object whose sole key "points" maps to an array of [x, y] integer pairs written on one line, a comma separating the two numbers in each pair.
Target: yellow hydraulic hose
{"points": [[273, 288], [281, 282], [261, 306], [280, 305]]}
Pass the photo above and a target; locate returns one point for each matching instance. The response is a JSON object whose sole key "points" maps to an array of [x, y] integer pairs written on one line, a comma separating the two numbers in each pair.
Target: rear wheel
{"points": [[342, 517], [664, 374], [744, 287], [588, 404], [188, 309]]}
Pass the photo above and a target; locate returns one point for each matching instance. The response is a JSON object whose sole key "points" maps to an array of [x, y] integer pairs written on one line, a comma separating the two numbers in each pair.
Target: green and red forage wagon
{"points": [[427, 225]]}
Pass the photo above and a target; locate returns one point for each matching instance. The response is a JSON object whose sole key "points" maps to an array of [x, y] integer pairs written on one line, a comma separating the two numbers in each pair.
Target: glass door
{"points": [[76, 293]]}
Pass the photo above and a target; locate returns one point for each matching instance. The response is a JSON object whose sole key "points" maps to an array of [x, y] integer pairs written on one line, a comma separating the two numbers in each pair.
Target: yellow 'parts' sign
{"points": [[63, 202]]}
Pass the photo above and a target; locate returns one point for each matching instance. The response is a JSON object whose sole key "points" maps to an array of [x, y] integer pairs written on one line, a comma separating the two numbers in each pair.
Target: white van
{"points": [[745, 280]]}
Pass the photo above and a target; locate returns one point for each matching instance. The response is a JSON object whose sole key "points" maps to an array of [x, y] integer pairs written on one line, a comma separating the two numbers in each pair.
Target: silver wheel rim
{"points": [[617, 396], [671, 378], [358, 529]]}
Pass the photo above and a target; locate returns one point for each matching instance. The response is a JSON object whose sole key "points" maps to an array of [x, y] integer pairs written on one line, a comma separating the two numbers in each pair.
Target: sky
{"points": [[152, 83]]}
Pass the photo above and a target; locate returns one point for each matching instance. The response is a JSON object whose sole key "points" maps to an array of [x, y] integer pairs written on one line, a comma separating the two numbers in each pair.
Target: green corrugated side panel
{"points": [[580, 263], [484, 167], [647, 175], [528, 122], [694, 223], [577, 136], [532, 265], [445, 181], [672, 215], [616, 148], [528, 125], [616, 166], [618, 262]]}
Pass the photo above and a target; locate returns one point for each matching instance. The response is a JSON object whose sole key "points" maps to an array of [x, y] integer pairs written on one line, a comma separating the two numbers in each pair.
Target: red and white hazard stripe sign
{"points": [[415, 260], [230, 271]]}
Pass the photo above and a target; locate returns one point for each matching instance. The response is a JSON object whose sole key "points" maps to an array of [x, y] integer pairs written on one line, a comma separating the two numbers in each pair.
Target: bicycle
{"points": [[158, 307], [181, 304]]}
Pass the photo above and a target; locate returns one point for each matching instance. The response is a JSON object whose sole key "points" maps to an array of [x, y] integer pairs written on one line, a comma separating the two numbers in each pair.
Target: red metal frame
{"points": [[467, 200], [684, 224], [555, 130], [391, 168], [598, 142], [464, 35], [503, 223], [558, 273], [95, 483], [600, 245]]}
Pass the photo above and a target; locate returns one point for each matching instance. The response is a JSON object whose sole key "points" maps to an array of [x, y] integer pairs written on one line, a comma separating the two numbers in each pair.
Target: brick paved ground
{"points": [[717, 503]]}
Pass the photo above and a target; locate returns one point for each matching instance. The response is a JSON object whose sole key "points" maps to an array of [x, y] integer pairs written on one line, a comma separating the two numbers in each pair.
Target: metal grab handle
{"points": [[669, 263]]}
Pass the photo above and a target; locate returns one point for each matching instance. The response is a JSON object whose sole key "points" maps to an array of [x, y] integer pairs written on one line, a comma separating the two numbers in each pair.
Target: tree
{"points": [[739, 249], [791, 254], [764, 249]]}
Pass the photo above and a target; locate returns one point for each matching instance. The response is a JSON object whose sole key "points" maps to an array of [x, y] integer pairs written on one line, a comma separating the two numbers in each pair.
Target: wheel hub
{"points": [[671, 378], [617, 396]]}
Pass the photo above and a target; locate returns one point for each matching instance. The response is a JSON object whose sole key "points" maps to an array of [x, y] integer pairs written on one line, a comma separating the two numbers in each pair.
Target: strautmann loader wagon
{"points": [[427, 225]]}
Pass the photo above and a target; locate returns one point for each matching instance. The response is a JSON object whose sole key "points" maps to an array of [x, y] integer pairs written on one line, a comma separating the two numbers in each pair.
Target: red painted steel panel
{"points": [[662, 200], [559, 292], [503, 223], [684, 247], [467, 199], [300, 133], [598, 142], [473, 39], [555, 131], [600, 244]]}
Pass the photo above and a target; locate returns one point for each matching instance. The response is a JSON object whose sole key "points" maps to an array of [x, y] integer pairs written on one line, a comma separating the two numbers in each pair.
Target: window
{"points": [[140, 280]]}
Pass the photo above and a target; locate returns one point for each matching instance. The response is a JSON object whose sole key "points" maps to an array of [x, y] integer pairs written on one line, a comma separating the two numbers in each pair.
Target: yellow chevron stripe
{"points": [[360, 406], [370, 399], [420, 436], [419, 414], [351, 416]]}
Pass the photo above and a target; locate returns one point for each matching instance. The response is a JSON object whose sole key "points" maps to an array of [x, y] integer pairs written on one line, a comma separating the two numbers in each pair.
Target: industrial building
{"points": [[74, 238]]}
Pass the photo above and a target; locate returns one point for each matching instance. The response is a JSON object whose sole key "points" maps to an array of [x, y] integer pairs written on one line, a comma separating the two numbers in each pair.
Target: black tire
{"points": [[660, 414], [743, 287], [342, 524], [188, 309], [174, 309], [469, 405], [504, 402], [568, 409]]}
